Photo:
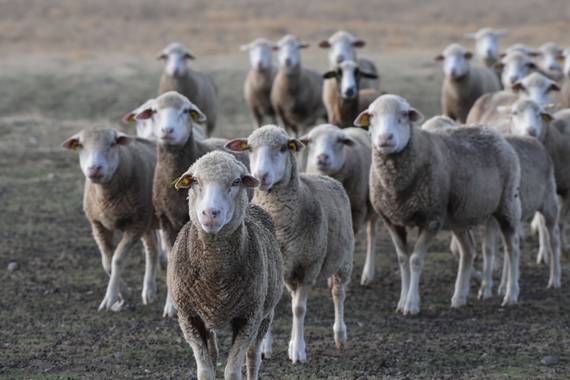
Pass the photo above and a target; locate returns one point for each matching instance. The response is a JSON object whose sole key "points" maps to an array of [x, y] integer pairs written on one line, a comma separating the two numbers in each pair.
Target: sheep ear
{"points": [[368, 75], [305, 139], [499, 66], [304, 45], [295, 145], [531, 65], [275, 47], [517, 86], [129, 118], [71, 143], [439, 58], [533, 53], [324, 44], [363, 120], [122, 139], [184, 181], [249, 181], [329, 74], [162, 56], [546, 117], [358, 43], [189, 55], [553, 87], [502, 55], [144, 114], [468, 55], [415, 115], [237, 145], [197, 116]]}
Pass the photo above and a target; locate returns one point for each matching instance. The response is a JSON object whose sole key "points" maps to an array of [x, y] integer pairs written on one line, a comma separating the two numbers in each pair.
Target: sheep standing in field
{"points": [[313, 222], [198, 87], [345, 99], [173, 118], [296, 94], [226, 269], [528, 118], [487, 45], [345, 155], [534, 86], [464, 83], [549, 56], [118, 173], [451, 179], [257, 87]]}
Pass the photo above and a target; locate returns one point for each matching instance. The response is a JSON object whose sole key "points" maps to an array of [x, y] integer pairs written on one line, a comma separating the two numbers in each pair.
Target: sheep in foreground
{"points": [[296, 95], [450, 179], [528, 118], [487, 45], [345, 155], [174, 117], [343, 98], [117, 197], [198, 87], [312, 219], [257, 87], [226, 269], [534, 86], [464, 83], [342, 47], [549, 56]]}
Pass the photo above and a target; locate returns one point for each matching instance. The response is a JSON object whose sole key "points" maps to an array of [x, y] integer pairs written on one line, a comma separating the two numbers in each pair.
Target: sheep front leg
{"points": [[297, 351], [245, 333], [267, 344], [370, 266], [196, 335], [399, 239], [168, 236], [104, 239], [425, 237], [489, 249], [542, 256], [151, 264], [254, 353], [465, 268], [338, 290], [512, 252], [111, 299]]}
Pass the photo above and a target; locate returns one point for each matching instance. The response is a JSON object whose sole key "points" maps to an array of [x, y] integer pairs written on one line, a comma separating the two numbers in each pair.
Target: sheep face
{"points": [[172, 116], [487, 43], [270, 155], [260, 54], [217, 194], [528, 119], [98, 152], [342, 47], [550, 55], [536, 87], [289, 51], [327, 148], [455, 60], [348, 75], [389, 120], [175, 57], [515, 67]]}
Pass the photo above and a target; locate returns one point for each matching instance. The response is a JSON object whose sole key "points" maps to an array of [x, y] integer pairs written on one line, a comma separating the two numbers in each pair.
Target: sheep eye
{"points": [[186, 111], [236, 182], [283, 149]]}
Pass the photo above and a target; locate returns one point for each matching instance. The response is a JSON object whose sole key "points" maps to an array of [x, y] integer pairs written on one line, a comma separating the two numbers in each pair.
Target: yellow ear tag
{"points": [[364, 121], [181, 183], [74, 145], [293, 146], [194, 115], [243, 146], [131, 119], [546, 117]]}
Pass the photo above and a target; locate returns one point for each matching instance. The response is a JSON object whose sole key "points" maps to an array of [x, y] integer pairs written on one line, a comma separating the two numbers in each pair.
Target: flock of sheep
{"points": [[232, 221]]}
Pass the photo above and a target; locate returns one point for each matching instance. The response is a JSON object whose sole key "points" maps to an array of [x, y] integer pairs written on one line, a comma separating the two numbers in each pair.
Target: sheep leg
{"points": [[370, 266], [196, 335], [564, 210], [245, 333], [550, 214], [338, 291], [454, 247], [104, 239], [465, 268], [297, 351], [542, 256], [425, 237], [111, 299], [253, 362], [151, 264], [168, 235], [257, 117], [163, 253], [267, 344], [512, 252], [489, 251], [399, 239]]}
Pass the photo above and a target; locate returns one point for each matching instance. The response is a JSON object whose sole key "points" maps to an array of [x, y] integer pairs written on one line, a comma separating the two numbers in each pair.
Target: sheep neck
{"points": [[174, 160], [347, 109]]}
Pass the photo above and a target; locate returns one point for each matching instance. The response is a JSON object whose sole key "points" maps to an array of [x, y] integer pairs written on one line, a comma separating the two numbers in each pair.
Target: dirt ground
{"points": [[67, 65]]}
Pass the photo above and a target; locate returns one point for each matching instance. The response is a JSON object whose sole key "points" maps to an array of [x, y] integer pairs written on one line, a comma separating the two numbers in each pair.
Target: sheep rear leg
{"points": [[425, 237], [564, 211], [267, 344], [168, 235], [112, 295], [297, 351], [254, 353], [399, 239], [512, 252], [104, 239], [550, 214], [338, 291], [197, 337], [542, 256], [489, 250], [369, 269], [151, 265], [465, 268], [244, 335]]}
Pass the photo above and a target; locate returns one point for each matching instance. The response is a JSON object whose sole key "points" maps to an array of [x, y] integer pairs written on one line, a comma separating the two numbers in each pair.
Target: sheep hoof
{"points": [[554, 284], [501, 290], [458, 301], [542, 257], [485, 293], [340, 336], [169, 310], [297, 352], [111, 302], [366, 279], [149, 294], [411, 308], [266, 348]]}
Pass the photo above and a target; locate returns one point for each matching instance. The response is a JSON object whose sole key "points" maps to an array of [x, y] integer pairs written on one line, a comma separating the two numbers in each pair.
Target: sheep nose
{"points": [[339, 58], [323, 159], [167, 130], [94, 170], [386, 139], [288, 61], [211, 213], [350, 92]]}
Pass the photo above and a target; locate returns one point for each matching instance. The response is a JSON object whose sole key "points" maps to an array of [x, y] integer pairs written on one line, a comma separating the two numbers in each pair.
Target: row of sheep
{"points": [[251, 220]]}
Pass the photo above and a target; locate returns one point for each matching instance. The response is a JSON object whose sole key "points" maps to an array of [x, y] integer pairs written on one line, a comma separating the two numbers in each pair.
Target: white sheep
{"points": [[450, 179], [197, 86], [296, 94], [549, 56], [257, 86], [487, 44], [345, 155], [226, 268], [313, 221], [117, 197], [464, 82], [514, 66]]}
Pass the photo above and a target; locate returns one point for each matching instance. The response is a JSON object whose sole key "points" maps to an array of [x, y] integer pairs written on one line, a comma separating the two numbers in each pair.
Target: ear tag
{"points": [[181, 183], [243, 146], [74, 145], [194, 115], [292, 146], [364, 121]]}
